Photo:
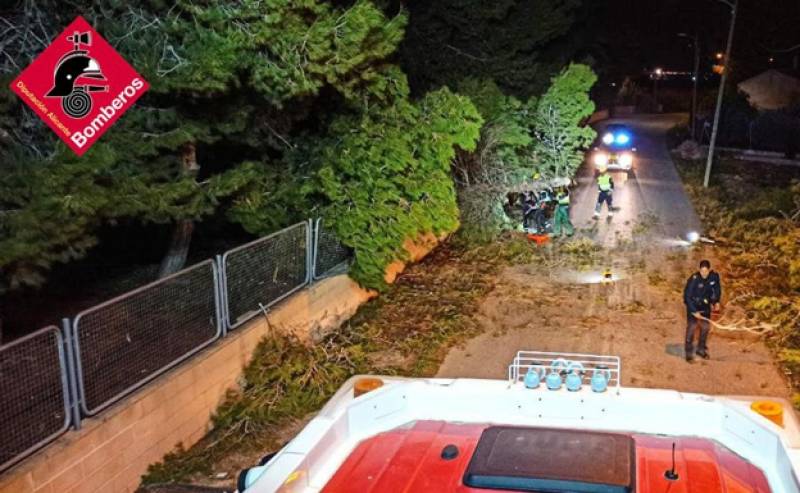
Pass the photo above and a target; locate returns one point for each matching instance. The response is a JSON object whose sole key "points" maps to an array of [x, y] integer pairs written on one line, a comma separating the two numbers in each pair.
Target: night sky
{"points": [[643, 33]]}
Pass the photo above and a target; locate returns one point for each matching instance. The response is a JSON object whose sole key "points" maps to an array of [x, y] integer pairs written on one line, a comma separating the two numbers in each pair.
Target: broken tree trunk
{"points": [[175, 258]]}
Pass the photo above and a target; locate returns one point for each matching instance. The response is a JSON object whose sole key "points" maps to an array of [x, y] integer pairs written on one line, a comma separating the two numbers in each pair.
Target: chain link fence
{"points": [[260, 274], [330, 255], [123, 343], [33, 384], [50, 379]]}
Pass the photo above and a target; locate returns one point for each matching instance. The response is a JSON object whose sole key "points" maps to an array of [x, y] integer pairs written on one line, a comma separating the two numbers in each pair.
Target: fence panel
{"points": [[330, 255], [126, 342], [264, 272], [34, 407]]}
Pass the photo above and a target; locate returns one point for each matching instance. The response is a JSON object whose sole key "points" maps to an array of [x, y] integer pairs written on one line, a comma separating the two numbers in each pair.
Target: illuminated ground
{"points": [[640, 317], [653, 192]]}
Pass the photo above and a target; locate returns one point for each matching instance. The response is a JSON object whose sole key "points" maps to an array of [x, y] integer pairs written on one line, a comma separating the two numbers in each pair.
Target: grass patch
{"points": [[406, 331]]}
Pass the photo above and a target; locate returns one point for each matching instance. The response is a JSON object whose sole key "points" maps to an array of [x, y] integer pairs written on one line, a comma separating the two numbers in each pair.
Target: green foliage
{"points": [[281, 49], [562, 137], [504, 155], [386, 174], [521, 142], [233, 80]]}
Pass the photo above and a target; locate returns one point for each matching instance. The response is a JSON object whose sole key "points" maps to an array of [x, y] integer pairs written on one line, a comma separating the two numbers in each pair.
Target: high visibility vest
{"points": [[563, 199], [604, 182]]}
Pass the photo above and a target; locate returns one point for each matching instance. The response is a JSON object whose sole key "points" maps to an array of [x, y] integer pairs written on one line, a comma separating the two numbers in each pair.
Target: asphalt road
{"points": [[653, 193]]}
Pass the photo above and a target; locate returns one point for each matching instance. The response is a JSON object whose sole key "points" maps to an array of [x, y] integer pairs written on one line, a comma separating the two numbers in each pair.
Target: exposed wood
{"points": [[175, 258]]}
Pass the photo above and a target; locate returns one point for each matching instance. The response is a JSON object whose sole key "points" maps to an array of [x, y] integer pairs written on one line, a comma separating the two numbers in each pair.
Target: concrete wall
{"points": [[111, 452]]}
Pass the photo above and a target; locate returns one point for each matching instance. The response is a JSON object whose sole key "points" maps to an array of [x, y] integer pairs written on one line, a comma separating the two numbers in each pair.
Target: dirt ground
{"points": [[640, 318]]}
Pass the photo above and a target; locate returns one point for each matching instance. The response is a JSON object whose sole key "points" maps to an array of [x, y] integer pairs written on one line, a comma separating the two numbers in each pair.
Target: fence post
{"points": [[311, 250], [73, 397], [221, 297]]}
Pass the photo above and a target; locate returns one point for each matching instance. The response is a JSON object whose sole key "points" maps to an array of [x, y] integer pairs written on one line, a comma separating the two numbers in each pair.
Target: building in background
{"points": [[772, 90]]}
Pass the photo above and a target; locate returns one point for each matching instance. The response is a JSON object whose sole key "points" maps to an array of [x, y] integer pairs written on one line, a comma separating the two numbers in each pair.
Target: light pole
{"points": [[695, 78], [726, 67], [656, 75]]}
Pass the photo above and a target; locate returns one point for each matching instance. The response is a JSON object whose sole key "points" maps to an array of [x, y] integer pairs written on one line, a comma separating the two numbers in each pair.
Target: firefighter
{"points": [[701, 294], [606, 187], [561, 221], [528, 204], [542, 206]]}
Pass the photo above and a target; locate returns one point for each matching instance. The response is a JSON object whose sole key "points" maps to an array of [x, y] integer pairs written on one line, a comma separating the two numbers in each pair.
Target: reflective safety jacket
{"points": [[563, 198], [605, 183]]}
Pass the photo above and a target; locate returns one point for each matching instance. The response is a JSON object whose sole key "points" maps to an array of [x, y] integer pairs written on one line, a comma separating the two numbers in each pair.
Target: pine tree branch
{"points": [[472, 57]]}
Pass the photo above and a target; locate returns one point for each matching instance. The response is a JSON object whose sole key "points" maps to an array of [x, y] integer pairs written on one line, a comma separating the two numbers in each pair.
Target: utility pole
{"points": [[726, 68], [695, 79], [656, 75]]}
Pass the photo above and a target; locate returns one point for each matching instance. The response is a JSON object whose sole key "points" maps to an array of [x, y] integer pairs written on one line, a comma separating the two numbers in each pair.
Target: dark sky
{"points": [[643, 33]]}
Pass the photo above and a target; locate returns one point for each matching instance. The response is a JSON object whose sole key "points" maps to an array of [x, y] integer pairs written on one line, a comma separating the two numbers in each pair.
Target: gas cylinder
{"points": [[533, 377], [600, 379], [574, 376], [553, 379]]}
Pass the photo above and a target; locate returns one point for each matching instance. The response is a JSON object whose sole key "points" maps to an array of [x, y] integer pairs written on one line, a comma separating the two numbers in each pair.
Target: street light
{"points": [[726, 63], [695, 77]]}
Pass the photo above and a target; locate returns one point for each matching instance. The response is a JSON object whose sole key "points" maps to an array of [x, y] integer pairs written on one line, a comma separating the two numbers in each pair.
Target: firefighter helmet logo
{"points": [[79, 85], [76, 76]]}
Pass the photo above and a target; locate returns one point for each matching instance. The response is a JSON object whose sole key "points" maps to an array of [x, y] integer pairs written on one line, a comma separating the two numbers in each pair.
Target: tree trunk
{"points": [[175, 258]]}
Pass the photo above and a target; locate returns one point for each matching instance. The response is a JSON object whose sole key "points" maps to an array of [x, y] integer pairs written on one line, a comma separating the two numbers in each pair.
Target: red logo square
{"points": [[79, 85]]}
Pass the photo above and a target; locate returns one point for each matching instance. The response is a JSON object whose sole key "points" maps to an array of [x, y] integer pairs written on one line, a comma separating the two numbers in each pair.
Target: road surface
{"points": [[654, 189], [563, 306]]}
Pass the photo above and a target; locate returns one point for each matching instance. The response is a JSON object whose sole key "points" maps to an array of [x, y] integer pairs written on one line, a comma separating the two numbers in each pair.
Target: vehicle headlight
{"points": [[626, 159], [608, 138], [600, 158], [623, 139]]}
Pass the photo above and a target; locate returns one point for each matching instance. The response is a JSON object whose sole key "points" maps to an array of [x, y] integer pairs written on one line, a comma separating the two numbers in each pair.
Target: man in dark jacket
{"points": [[702, 293]]}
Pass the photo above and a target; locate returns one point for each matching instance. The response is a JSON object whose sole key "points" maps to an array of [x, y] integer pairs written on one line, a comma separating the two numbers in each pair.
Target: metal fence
{"points": [[259, 274], [330, 255], [127, 341], [33, 386], [51, 378]]}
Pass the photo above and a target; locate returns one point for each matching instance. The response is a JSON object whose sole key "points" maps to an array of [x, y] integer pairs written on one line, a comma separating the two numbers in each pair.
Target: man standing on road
{"points": [[702, 292], [606, 186], [561, 223]]}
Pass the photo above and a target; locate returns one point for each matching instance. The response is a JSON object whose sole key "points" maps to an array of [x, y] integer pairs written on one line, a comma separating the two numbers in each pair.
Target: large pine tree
{"points": [[228, 82]]}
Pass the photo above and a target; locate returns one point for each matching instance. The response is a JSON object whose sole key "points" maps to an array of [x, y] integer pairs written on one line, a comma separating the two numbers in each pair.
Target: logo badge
{"points": [[79, 86]]}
